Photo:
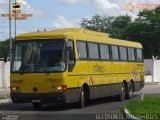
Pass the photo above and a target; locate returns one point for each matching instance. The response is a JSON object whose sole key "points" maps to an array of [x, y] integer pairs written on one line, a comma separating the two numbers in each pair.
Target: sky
{"points": [[53, 14]]}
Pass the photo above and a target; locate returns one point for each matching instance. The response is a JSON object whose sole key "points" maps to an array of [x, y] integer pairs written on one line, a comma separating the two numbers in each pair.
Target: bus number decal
{"points": [[52, 80], [17, 81], [98, 68]]}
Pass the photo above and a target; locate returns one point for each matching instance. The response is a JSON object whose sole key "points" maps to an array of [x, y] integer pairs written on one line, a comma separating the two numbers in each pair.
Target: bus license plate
{"points": [[36, 101]]}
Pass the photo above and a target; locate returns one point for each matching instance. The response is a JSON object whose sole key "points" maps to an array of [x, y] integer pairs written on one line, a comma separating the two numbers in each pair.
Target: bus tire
{"points": [[81, 102], [122, 94], [37, 105], [130, 91]]}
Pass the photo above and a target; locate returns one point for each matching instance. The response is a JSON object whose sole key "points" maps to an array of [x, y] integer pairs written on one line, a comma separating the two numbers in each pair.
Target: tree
{"points": [[144, 29], [119, 26], [111, 25], [4, 48], [97, 23]]}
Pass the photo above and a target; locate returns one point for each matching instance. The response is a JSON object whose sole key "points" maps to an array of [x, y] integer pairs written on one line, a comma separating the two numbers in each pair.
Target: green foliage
{"points": [[4, 48], [119, 26], [144, 29], [96, 23], [150, 106]]}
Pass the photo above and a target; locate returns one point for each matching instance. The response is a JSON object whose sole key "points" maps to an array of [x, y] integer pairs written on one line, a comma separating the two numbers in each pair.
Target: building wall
{"points": [[156, 71], [148, 66], [1, 74], [4, 75], [152, 70]]}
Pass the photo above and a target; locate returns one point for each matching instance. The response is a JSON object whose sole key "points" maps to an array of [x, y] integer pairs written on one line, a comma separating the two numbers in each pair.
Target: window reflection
{"points": [[41, 56]]}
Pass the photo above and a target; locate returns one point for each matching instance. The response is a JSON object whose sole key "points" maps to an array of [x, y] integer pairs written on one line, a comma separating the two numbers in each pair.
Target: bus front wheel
{"points": [[81, 102]]}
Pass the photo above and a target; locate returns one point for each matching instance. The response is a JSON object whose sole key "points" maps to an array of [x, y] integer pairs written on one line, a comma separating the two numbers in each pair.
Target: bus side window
{"points": [[93, 51], [139, 56], [82, 50], [71, 55], [104, 52], [115, 53], [131, 54], [123, 53]]}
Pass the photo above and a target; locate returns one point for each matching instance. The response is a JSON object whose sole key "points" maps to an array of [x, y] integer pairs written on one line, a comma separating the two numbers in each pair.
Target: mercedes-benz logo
{"points": [[35, 89]]}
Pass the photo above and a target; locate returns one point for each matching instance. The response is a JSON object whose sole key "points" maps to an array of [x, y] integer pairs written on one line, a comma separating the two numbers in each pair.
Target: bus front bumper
{"points": [[42, 97]]}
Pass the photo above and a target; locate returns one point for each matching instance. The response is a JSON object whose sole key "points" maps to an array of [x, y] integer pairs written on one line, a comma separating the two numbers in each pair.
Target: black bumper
{"points": [[43, 97], [60, 97]]}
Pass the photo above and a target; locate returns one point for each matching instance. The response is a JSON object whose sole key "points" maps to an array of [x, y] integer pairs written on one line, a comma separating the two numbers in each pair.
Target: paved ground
{"points": [[151, 89], [97, 109], [4, 93]]}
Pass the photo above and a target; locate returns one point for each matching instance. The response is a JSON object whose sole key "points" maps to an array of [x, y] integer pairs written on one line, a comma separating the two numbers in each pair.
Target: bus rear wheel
{"points": [[37, 105], [130, 91], [122, 94]]}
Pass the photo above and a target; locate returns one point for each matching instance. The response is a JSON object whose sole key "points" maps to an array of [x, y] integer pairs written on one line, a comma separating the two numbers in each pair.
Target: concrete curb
{"points": [[3, 101], [151, 83], [128, 115]]}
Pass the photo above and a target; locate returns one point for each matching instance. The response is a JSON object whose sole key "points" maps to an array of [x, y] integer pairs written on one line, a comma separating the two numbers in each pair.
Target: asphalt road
{"points": [[99, 109], [96, 109]]}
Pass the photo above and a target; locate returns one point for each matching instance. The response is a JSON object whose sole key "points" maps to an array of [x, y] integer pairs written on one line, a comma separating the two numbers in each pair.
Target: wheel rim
{"points": [[131, 92], [123, 92], [82, 98]]}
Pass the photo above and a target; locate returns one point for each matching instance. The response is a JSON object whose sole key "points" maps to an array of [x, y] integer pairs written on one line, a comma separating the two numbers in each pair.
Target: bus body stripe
{"points": [[90, 80]]}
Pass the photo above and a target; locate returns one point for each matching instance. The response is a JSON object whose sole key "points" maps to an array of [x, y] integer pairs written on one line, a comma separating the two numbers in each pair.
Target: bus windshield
{"points": [[39, 56]]}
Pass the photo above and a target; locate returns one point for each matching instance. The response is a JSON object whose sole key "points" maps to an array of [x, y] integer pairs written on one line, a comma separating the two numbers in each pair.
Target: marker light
{"points": [[64, 88]]}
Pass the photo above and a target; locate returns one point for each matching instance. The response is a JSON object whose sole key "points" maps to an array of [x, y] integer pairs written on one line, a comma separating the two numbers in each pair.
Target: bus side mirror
{"points": [[71, 54], [71, 58]]}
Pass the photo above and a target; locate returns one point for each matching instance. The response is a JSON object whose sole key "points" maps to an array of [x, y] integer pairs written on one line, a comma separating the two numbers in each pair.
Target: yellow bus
{"points": [[74, 65]]}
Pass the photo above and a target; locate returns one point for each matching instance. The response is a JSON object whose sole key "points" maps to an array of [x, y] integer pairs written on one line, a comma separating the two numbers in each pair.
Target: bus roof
{"points": [[79, 34]]}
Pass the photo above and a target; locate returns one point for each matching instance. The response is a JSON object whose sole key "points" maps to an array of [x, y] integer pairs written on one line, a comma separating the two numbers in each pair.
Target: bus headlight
{"points": [[15, 89], [56, 88], [59, 88]]}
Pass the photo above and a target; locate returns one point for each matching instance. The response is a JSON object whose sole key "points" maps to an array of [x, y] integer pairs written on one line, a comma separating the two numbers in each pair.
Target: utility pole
{"points": [[10, 31], [15, 25]]}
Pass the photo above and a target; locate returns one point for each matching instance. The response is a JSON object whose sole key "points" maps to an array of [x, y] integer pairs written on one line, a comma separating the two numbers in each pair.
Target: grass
{"points": [[147, 109]]}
